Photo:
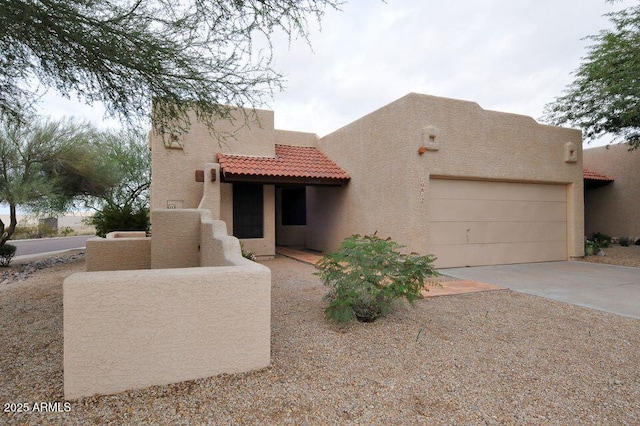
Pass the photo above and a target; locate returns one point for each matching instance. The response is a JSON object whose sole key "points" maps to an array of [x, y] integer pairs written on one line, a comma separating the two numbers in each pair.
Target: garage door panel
{"points": [[449, 256], [496, 210], [486, 222], [443, 233], [475, 190]]}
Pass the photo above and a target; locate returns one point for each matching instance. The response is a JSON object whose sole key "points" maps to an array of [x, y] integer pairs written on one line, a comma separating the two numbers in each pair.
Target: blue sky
{"points": [[512, 56]]}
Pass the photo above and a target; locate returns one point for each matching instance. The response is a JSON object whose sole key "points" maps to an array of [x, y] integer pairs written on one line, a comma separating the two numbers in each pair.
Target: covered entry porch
{"points": [[268, 195]]}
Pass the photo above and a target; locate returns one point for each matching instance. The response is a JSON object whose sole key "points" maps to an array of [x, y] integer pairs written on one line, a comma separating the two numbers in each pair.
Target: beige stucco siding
{"points": [[614, 209], [132, 329], [173, 169], [293, 138], [390, 181]]}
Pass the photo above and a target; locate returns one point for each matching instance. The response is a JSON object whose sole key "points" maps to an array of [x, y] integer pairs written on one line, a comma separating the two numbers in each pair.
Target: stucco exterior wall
{"points": [[132, 329], [173, 169], [175, 241], [117, 254], [614, 209], [293, 138], [389, 185]]}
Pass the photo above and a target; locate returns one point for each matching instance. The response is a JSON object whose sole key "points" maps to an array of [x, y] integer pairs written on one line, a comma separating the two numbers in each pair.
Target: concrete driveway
{"points": [[608, 288]]}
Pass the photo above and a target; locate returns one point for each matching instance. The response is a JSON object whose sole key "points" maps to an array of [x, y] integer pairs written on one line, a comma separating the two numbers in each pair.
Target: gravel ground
{"points": [[491, 358], [618, 255]]}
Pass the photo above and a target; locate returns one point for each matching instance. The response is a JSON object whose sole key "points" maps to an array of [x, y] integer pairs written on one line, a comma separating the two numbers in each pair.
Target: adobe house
{"points": [[612, 191], [441, 176]]}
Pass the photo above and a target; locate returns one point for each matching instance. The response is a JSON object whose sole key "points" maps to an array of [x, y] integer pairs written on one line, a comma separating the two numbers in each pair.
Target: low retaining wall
{"points": [[134, 329]]}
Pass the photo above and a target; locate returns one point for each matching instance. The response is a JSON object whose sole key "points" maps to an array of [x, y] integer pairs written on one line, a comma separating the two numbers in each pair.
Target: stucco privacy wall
{"points": [[118, 254], [133, 329], [175, 241], [390, 180], [614, 209]]}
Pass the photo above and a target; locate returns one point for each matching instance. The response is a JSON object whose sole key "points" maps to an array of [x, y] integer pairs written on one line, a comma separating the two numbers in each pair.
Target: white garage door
{"points": [[490, 223]]}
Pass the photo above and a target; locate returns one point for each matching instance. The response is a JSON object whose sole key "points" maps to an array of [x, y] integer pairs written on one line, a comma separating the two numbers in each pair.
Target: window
{"points": [[248, 211], [294, 206]]}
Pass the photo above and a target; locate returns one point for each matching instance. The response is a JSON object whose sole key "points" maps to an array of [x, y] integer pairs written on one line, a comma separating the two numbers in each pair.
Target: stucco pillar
{"points": [[211, 191]]}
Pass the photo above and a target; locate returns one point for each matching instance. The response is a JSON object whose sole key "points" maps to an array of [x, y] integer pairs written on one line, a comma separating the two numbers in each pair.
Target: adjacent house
{"points": [[612, 191], [441, 176]]}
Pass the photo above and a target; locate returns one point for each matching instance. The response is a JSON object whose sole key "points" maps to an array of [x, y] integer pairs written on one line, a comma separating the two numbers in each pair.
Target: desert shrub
{"points": [[120, 218], [247, 254], [25, 233], [367, 274], [603, 240], [30, 232], [66, 231], [625, 241], [7, 251], [591, 248]]}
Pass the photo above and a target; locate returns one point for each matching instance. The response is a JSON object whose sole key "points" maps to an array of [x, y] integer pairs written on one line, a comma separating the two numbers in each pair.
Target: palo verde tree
{"points": [[45, 165], [125, 205], [604, 98], [185, 54]]}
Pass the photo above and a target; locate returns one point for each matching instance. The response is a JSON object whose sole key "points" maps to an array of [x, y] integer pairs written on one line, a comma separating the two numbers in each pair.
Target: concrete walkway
{"points": [[445, 288], [608, 288]]}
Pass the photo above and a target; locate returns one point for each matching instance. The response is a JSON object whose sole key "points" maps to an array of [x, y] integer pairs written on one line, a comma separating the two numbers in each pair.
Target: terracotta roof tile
{"points": [[591, 175], [289, 162]]}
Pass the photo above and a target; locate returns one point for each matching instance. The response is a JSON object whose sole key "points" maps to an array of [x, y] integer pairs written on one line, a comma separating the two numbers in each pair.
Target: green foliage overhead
{"points": [[367, 274], [196, 54], [604, 98]]}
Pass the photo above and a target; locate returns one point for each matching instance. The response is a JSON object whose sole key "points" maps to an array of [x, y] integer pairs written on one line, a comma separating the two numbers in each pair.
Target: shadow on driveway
{"points": [[608, 288]]}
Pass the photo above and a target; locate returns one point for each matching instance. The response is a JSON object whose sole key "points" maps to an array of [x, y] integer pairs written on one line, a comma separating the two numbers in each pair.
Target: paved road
{"points": [[608, 288], [45, 245]]}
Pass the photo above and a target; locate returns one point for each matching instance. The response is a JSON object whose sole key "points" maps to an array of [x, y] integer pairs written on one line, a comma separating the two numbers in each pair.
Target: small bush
{"points": [[603, 240], [31, 232], [367, 274], [625, 241], [591, 248], [7, 251], [247, 254], [67, 231], [120, 218]]}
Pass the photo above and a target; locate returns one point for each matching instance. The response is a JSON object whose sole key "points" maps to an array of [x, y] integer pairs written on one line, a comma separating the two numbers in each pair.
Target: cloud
{"points": [[512, 56], [505, 55]]}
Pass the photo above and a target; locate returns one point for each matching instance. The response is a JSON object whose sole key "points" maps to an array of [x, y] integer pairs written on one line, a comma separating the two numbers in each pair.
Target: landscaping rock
{"points": [[22, 272]]}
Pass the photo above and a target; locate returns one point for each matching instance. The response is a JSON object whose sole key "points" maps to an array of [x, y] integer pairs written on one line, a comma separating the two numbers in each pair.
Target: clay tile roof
{"points": [[293, 164], [591, 175]]}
